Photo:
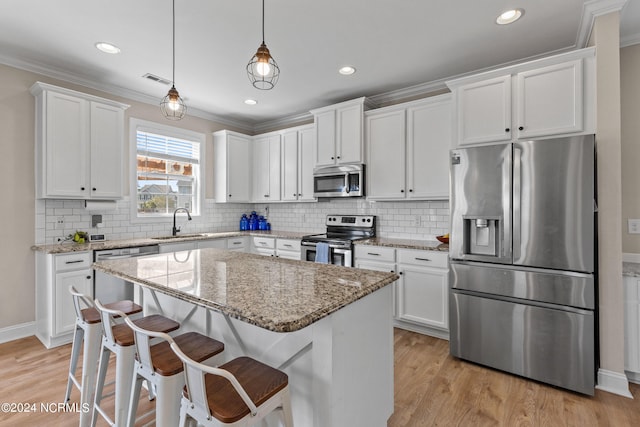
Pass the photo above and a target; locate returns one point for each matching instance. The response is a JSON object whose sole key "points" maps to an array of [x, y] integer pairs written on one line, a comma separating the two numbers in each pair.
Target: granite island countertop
{"points": [[61, 248], [273, 293]]}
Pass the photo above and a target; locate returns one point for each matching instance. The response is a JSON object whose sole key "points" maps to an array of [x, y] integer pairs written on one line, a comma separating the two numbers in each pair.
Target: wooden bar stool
{"points": [[238, 393], [161, 367], [118, 339], [88, 332]]}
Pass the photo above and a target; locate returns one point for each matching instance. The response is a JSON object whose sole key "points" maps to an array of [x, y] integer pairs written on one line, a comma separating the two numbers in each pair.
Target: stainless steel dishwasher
{"points": [[108, 288]]}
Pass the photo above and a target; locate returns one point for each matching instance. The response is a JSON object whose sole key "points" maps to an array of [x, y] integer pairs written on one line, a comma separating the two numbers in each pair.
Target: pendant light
{"points": [[262, 70], [172, 106]]}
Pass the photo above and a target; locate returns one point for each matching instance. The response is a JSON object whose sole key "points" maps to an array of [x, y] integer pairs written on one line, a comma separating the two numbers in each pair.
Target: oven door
{"points": [[337, 256]]}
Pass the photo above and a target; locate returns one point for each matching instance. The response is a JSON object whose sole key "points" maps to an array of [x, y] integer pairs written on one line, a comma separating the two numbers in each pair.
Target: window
{"points": [[168, 167]]}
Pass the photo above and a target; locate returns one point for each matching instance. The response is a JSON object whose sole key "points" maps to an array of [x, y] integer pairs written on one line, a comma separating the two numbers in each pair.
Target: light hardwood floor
{"points": [[431, 389]]}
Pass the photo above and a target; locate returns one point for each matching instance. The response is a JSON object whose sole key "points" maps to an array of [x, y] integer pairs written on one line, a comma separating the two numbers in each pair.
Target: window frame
{"points": [[136, 125]]}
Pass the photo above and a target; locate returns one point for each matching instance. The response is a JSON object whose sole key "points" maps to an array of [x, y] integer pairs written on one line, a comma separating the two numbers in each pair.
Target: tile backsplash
{"points": [[424, 220]]}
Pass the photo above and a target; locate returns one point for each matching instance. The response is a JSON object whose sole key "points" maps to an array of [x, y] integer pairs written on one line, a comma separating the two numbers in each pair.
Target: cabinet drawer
{"points": [[236, 243], [74, 261], [376, 253], [433, 259], [288, 245], [264, 242]]}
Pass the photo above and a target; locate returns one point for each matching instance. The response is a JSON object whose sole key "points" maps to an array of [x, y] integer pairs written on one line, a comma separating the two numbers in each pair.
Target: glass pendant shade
{"points": [[172, 106], [263, 71]]}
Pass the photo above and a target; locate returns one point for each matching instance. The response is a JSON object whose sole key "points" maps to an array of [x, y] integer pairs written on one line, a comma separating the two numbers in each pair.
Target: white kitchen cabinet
{"points": [[263, 246], [632, 328], [339, 133], [232, 167], [423, 289], [266, 166], [165, 248], [542, 98], [298, 145], [55, 314], [378, 258], [79, 144], [408, 150], [211, 243], [288, 248], [238, 244]]}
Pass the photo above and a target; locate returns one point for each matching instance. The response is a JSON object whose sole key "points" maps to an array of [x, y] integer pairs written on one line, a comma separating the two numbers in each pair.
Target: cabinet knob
{"points": [[400, 273], [229, 195], [392, 271], [521, 128], [411, 190], [332, 158], [266, 195], [94, 188], [82, 188], [507, 130], [338, 157], [402, 191], [294, 194], [299, 194], [88, 277]]}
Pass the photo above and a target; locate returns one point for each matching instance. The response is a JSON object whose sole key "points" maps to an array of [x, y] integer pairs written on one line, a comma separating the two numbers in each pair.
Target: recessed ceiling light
{"points": [[347, 70], [250, 101], [107, 47], [509, 16]]}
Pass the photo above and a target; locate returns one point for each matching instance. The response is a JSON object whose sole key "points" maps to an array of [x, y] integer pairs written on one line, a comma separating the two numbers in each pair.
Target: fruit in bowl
{"points": [[444, 238]]}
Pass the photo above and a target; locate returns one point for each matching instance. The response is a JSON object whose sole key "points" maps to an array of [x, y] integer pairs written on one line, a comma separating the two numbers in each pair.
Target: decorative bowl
{"points": [[443, 239]]}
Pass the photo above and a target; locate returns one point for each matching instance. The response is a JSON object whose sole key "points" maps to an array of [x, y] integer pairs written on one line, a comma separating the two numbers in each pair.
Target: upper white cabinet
{"points": [[408, 150], [79, 144], [232, 161], [339, 133], [266, 166], [542, 98], [298, 145]]}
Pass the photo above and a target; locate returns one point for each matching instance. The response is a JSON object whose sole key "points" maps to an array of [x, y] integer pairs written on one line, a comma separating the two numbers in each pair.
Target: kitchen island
{"points": [[328, 327]]}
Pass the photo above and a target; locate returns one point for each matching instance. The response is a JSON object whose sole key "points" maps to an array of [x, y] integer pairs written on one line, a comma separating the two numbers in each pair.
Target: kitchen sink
{"points": [[180, 236]]}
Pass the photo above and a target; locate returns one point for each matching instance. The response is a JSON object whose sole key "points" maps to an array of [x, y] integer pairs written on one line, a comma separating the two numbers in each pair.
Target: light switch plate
{"points": [[634, 226]]}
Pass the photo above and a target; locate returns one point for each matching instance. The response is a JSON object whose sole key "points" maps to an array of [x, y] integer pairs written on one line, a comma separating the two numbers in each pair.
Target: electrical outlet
{"points": [[416, 221], [634, 226], [60, 223]]}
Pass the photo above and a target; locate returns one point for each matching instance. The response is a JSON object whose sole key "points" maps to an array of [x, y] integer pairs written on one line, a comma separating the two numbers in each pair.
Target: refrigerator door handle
{"points": [[517, 198]]}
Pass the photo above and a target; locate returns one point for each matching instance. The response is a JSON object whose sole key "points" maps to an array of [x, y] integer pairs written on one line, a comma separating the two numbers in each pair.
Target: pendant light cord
{"points": [[173, 79], [262, 21]]}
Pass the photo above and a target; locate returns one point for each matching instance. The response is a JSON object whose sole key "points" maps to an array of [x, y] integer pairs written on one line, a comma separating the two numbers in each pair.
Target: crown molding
{"points": [[630, 40], [590, 11], [74, 78]]}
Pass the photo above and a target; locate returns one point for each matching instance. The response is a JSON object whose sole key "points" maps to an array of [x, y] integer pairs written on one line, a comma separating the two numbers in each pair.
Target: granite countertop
{"points": [[60, 248], [273, 293], [428, 245], [631, 269]]}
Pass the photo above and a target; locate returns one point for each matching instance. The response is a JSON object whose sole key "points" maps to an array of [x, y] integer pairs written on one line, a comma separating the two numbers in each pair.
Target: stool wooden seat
{"points": [[240, 392], [160, 366], [118, 339], [88, 330]]}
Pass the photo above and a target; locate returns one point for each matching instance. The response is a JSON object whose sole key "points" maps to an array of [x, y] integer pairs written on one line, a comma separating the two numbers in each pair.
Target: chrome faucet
{"points": [[175, 230]]}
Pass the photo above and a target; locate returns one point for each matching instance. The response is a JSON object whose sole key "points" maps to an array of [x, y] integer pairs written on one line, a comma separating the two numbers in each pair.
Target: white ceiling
{"points": [[393, 44]]}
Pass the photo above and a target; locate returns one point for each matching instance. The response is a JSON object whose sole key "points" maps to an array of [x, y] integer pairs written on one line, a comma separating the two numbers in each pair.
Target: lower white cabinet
{"points": [[177, 247], [238, 244], [288, 248], [212, 243], [263, 246], [55, 314], [421, 294], [632, 328]]}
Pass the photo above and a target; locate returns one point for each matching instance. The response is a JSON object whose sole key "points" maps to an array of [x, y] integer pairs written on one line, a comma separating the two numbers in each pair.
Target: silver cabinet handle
{"points": [[237, 243], [288, 245], [422, 259], [73, 262], [373, 253]]}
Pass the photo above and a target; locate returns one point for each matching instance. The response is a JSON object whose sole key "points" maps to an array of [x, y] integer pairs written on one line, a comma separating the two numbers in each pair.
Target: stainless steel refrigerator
{"points": [[522, 250]]}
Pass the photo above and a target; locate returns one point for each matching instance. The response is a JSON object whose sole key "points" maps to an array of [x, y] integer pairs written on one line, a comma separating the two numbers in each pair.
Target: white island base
{"points": [[340, 368]]}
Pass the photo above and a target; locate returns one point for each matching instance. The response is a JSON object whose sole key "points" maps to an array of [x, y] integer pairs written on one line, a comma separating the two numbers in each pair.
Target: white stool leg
{"points": [[124, 379], [135, 396], [92, 340], [168, 392], [102, 373], [73, 364], [286, 408]]}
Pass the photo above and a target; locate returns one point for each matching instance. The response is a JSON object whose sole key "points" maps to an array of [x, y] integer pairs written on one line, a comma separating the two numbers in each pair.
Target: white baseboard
{"points": [[613, 382], [17, 331], [629, 257], [634, 377]]}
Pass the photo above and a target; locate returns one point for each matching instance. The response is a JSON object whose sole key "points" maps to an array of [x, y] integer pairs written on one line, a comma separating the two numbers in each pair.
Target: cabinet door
{"points": [[550, 100], [386, 267], [422, 296], [166, 248], [632, 324], [267, 169], [428, 143], [106, 151], [67, 146], [238, 175], [306, 147], [64, 314], [484, 111], [386, 152], [212, 243], [349, 134], [326, 138], [289, 166]]}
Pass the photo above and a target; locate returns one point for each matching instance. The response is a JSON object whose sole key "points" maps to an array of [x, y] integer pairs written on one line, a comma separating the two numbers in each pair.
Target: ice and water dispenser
{"points": [[481, 236]]}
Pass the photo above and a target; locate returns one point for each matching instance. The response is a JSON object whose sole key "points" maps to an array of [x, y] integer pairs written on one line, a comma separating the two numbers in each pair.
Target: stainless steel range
{"points": [[342, 231]]}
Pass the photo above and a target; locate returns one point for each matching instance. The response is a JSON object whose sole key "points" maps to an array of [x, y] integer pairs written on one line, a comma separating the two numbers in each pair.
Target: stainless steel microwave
{"points": [[339, 181]]}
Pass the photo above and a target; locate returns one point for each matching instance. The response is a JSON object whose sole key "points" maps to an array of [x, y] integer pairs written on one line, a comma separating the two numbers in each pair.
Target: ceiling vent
{"points": [[157, 79]]}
